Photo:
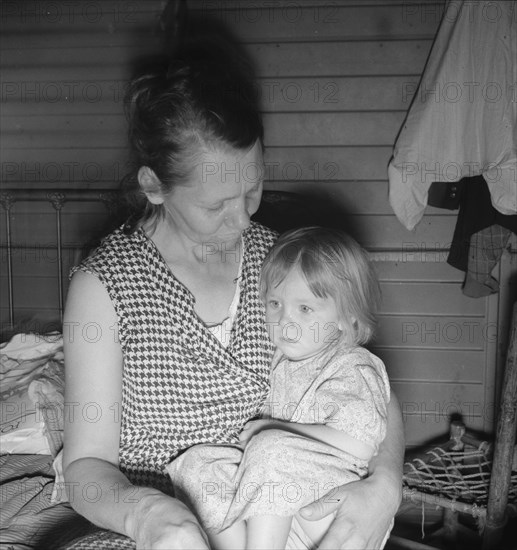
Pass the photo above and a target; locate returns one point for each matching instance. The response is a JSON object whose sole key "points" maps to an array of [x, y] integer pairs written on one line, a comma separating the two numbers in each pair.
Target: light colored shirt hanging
{"points": [[463, 119]]}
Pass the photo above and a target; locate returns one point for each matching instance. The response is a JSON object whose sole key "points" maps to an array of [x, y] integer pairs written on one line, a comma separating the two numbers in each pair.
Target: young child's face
{"points": [[300, 324]]}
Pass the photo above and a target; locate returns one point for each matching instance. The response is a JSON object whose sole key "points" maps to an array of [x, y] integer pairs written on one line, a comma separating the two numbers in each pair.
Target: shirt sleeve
{"points": [[354, 400]]}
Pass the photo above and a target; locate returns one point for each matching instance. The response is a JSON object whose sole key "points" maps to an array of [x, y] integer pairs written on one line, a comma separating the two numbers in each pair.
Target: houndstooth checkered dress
{"points": [[181, 387]]}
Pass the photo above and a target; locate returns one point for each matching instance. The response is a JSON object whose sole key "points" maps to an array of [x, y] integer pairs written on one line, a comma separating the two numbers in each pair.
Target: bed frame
{"points": [[58, 199]]}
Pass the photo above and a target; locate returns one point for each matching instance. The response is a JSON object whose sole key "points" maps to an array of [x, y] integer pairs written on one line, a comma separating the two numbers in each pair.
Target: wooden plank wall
{"points": [[336, 79]]}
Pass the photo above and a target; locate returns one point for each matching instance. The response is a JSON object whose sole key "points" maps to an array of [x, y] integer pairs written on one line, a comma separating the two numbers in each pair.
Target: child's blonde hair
{"points": [[334, 265]]}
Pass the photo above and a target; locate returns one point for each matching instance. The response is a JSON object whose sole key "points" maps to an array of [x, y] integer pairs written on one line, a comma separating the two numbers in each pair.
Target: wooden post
{"points": [[503, 448], [451, 516]]}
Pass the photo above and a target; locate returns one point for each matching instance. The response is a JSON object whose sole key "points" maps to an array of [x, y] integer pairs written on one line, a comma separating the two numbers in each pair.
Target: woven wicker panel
{"points": [[458, 475]]}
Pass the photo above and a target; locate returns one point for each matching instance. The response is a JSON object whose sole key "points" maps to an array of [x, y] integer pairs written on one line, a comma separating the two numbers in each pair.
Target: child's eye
{"points": [[306, 309]]}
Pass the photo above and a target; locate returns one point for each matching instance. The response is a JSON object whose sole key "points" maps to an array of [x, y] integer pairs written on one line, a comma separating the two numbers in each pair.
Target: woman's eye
{"points": [[305, 309], [274, 304], [216, 209]]}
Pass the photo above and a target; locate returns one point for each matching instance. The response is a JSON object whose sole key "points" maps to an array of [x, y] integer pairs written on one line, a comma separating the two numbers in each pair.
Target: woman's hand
{"points": [[253, 427], [165, 523], [365, 510]]}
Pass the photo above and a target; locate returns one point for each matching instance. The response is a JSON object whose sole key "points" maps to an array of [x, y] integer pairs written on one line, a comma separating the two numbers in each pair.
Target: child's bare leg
{"points": [[269, 532], [233, 538]]}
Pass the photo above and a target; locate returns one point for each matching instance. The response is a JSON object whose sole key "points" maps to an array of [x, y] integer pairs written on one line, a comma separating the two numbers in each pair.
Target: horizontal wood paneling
{"points": [[408, 297], [373, 232], [273, 60], [444, 332], [355, 129], [447, 366], [74, 97], [326, 21], [280, 20], [340, 58]]}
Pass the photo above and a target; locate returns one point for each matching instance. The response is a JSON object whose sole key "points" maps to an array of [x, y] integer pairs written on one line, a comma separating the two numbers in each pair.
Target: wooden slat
{"points": [[424, 272], [84, 167], [428, 299], [377, 232], [103, 130], [74, 98], [322, 129], [312, 129], [368, 93], [429, 399], [281, 59], [62, 97], [259, 21], [283, 165], [440, 332], [121, 23], [340, 58], [448, 365]]}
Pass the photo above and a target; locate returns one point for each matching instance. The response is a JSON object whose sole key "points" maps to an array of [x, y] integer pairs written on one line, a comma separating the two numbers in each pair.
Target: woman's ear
{"points": [[150, 185]]}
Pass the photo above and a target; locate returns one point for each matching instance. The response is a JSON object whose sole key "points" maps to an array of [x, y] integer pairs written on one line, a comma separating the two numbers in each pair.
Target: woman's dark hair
{"points": [[203, 97]]}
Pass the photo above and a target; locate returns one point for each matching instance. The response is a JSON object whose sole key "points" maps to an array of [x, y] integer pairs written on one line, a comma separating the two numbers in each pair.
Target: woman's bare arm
{"points": [[389, 460], [93, 391]]}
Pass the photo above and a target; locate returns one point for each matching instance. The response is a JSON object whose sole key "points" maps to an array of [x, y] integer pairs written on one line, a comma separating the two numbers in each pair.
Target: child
{"points": [[326, 412]]}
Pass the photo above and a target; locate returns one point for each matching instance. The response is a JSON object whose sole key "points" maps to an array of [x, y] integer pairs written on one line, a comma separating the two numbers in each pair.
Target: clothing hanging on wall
{"points": [[480, 237], [462, 121]]}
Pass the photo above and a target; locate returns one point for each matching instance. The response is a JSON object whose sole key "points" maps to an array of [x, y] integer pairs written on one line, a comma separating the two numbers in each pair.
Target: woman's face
{"points": [[223, 192]]}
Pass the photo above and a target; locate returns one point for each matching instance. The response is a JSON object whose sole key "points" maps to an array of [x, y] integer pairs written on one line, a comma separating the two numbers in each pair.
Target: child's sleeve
{"points": [[354, 399]]}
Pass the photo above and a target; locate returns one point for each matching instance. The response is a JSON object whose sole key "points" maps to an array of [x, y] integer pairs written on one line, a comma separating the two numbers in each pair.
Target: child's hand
{"points": [[251, 428]]}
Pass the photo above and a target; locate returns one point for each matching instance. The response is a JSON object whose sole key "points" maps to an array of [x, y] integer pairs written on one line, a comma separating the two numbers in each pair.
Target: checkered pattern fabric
{"points": [[486, 247], [181, 386]]}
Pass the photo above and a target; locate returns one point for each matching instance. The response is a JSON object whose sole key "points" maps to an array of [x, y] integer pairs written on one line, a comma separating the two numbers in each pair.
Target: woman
{"points": [[181, 355]]}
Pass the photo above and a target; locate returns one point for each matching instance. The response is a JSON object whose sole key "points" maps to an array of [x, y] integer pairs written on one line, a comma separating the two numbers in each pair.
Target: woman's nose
{"points": [[239, 218]]}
